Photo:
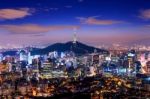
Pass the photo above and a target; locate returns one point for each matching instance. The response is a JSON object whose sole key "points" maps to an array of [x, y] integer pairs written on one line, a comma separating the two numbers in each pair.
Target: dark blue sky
{"points": [[95, 21]]}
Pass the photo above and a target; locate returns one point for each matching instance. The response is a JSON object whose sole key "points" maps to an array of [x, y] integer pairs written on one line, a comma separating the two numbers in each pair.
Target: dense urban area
{"points": [[115, 74], [74, 49]]}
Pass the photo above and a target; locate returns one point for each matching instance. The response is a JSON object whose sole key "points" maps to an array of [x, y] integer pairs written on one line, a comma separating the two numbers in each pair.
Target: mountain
{"points": [[78, 48], [15, 52], [9, 53]]}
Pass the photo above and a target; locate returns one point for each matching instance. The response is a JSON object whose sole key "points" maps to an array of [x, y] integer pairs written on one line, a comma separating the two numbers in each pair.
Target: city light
{"points": [[74, 49]]}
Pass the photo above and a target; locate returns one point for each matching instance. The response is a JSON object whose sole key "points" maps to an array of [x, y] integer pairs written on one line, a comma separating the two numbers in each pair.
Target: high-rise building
{"points": [[46, 71]]}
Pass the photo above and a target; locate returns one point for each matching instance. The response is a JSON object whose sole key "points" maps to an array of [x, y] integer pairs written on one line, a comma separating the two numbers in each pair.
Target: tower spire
{"points": [[74, 36]]}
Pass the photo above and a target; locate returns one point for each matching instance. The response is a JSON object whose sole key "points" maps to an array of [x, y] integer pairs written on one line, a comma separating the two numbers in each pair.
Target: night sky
{"points": [[40, 22]]}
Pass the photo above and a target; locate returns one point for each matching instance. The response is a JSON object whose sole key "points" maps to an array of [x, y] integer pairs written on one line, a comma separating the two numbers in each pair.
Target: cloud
{"points": [[122, 38], [68, 6], [9, 14], [50, 9], [147, 26], [34, 28], [54, 9], [145, 14], [94, 21]]}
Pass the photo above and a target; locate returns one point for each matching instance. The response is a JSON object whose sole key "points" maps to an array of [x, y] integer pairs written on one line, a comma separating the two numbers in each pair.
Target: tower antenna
{"points": [[75, 35]]}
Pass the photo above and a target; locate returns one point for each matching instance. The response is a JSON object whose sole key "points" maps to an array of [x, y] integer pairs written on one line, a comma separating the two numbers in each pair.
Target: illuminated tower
{"points": [[74, 36], [73, 47]]}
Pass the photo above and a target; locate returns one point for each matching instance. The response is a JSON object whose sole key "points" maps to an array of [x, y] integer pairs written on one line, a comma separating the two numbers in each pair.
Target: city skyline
{"points": [[38, 22], [69, 49]]}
